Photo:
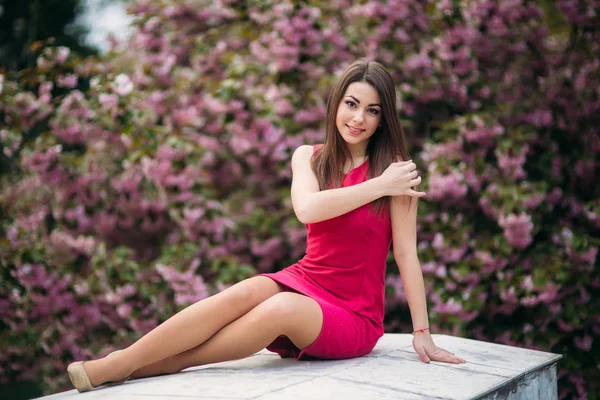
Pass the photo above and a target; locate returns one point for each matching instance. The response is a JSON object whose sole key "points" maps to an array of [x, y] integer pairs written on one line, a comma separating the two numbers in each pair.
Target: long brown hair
{"points": [[387, 144]]}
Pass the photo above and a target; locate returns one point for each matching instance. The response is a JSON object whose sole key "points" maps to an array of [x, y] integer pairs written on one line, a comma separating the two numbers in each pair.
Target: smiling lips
{"points": [[354, 131]]}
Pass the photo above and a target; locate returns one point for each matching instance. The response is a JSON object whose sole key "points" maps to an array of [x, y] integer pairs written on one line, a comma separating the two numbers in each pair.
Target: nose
{"points": [[358, 117]]}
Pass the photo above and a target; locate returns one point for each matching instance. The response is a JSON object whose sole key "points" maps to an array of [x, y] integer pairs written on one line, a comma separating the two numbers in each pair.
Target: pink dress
{"points": [[343, 270]]}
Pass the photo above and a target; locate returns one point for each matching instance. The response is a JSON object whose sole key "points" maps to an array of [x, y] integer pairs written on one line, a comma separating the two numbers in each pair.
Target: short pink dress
{"points": [[344, 271]]}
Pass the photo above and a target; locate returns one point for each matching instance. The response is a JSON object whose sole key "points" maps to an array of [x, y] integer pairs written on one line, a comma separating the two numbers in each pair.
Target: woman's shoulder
{"points": [[302, 154], [306, 149]]}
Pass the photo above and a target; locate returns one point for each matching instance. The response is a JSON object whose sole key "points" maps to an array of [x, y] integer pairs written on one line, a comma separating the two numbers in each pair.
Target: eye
{"points": [[350, 103], [374, 111]]}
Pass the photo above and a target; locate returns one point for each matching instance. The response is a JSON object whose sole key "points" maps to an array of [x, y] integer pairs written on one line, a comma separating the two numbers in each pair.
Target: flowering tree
{"points": [[137, 183]]}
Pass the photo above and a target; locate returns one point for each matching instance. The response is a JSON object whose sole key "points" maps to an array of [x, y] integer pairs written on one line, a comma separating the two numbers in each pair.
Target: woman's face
{"points": [[358, 114]]}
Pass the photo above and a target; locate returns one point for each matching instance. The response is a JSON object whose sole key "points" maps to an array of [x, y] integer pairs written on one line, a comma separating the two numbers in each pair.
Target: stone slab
{"points": [[392, 371]]}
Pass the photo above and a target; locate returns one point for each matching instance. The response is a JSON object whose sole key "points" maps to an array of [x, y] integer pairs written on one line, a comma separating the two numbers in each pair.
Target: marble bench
{"points": [[392, 371]]}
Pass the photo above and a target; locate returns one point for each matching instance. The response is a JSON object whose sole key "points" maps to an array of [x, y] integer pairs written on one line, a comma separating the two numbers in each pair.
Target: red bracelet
{"points": [[421, 330]]}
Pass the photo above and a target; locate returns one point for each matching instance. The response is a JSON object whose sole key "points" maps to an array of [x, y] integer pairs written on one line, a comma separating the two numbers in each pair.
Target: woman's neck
{"points": [[357, 153]]}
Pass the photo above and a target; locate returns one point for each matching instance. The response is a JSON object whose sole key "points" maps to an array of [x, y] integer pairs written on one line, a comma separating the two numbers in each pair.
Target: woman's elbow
{"points": [[307, 210], [302, 215]]}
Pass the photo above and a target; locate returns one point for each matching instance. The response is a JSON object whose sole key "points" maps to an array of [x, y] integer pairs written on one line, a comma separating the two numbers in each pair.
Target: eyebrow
{"points": [[358, 101]]}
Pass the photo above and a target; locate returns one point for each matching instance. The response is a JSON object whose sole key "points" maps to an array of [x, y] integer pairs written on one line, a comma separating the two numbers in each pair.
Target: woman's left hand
{"points": [[428, 351]]}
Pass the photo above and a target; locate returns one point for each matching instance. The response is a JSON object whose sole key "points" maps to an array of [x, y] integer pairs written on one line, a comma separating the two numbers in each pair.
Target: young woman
{"points": [[355, 194]]}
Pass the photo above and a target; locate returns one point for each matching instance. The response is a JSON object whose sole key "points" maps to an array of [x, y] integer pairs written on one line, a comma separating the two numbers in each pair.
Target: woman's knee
{"points": [[297, 316], [288, 306], [281, 305], [249, 293]]}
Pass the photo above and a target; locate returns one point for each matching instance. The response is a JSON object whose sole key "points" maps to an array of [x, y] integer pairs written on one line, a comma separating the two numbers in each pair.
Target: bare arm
{"points": [[403, 213], [312, 205]]}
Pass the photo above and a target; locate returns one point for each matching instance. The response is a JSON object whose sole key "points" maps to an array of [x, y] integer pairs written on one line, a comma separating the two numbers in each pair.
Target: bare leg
{"points": [[185, 330], [298, 317]]}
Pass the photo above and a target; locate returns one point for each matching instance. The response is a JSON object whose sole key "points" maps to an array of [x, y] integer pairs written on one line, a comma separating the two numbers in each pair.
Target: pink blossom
{"points": [[418, 61], [517, 229], [267, 252], [449, 307], [511, 165], [584, 296], [450, 187], [188, 116], [310, 115], [144, 324], [266, 247], [448, 149], [108, 101], [188, 286], [482, 134], [555, 196], [369, 9], [428, 267], [240, 145], [67, 81], [445, 6], [122, 85], [441, 271], [530, 301], [401, 35], [62, 53], [555, 309], [156, 170], [533, 201], [508, 295], [540, 118], [81, 244], [193, 215], [589, 256], [438, 241], [128, 182], [282, 107], [43, 63], [527, 283], [72, 134], [125, 310], [584, 342], [399, 297], [454, 254]]}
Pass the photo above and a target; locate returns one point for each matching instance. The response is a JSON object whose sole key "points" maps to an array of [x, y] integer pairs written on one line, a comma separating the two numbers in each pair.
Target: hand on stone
{"points": [[428, 351]]}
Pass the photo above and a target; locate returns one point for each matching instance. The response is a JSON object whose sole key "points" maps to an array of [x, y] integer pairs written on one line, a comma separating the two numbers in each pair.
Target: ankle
{"points": [[105, 370], [93, 372], [119, 364]]}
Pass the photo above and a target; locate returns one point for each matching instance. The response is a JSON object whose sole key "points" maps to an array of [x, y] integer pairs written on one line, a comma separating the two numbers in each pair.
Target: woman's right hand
{"points": [[400, 178]]}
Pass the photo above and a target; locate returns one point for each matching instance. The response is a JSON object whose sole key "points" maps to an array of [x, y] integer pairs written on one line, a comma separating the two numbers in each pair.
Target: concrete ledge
{"points": [[391, 371]]}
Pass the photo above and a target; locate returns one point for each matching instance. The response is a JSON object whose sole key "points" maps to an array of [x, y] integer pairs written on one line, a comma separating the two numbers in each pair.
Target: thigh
{"points": [[294, 315], [247, 294]]}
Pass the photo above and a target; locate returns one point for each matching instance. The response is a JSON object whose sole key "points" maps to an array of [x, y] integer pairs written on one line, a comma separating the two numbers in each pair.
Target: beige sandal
{"points": [[80, 379]]}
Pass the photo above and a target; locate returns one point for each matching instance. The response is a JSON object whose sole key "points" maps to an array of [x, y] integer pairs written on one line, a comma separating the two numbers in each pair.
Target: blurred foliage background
{"points": [[142, 179]]}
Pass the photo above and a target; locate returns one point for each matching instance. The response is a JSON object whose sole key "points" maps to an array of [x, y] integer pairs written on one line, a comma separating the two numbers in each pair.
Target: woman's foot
{"points": [[96, 373]]}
